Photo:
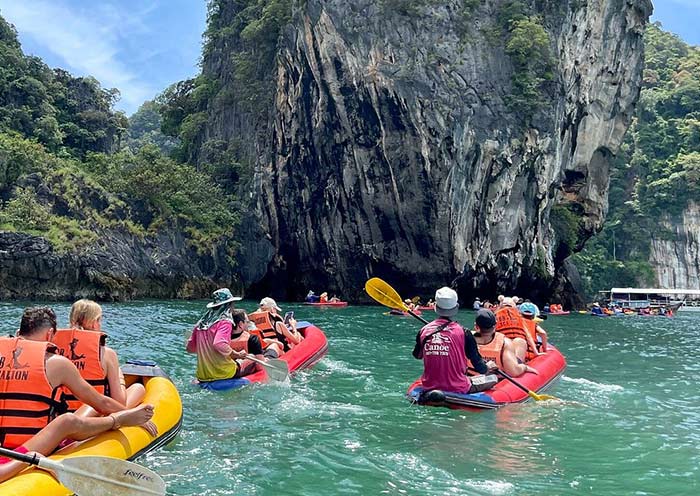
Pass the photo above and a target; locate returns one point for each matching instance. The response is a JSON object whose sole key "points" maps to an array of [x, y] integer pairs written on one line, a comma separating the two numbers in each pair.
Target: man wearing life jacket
{"points": [[495, 346], [211, 340], [444, 347], [32, 376], [510, 323], [244, 339], [530, 312]]}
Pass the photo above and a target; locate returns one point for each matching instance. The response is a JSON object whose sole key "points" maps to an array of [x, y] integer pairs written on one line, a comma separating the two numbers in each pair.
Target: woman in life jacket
{"points": [[530, 312], [84, 345], [288, 336]]}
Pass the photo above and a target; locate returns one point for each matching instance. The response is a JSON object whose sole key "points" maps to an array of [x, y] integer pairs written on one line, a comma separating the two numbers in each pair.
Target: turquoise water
{"points": [[629, 425]]}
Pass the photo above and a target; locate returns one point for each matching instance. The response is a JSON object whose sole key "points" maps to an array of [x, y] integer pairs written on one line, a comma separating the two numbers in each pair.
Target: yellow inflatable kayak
{"points": [[126, 443]]}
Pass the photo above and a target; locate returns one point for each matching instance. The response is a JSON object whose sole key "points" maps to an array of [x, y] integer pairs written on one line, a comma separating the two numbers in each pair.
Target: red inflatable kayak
{"points": [[328, 304], [550, 367], [559, 313], [303, 356], [424, 307]]}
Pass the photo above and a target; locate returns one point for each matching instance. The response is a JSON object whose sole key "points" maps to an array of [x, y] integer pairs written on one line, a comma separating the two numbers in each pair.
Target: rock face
{"points": [[121, 267], [677, 261], [391, 149]]}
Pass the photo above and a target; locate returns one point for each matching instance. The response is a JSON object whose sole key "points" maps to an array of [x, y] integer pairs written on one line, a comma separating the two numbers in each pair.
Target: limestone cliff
{"points": [[676, 258], [391, 146]]}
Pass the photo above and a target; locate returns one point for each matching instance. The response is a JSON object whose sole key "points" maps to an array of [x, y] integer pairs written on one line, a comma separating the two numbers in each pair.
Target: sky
{"points": [[142, 46]]}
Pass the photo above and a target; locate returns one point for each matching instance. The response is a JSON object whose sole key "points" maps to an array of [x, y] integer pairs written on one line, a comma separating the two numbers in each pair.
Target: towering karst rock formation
{"points": [[426, 142]]}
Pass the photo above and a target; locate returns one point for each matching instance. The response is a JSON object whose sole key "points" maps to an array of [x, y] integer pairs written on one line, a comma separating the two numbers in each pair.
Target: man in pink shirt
{"points": [[444, 347], [211, 338]]}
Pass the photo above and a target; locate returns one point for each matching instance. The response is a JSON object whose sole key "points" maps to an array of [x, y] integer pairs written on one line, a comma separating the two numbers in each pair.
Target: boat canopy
{"points": [[659, 291]]}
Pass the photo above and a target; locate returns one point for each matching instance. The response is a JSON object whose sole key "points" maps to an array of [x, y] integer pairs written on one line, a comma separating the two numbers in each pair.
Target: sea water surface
{"points": [[629, 423]]}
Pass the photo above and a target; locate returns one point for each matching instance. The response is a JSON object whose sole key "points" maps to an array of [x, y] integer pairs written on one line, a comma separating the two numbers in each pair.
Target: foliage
{"points": [[145, 128], [566, 226], [529, 47], [657, 171], [53, 107]]}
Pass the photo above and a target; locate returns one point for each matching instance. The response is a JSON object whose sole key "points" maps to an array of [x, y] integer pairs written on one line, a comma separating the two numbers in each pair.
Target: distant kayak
{"points": [[424, 307], [328, 304], [401, 313], [559, 313]]}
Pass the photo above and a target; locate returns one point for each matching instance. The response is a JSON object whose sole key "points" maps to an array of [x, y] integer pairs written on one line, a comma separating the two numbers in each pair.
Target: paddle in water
{"points": [[277, 370], [101, 475], [383, 293]]}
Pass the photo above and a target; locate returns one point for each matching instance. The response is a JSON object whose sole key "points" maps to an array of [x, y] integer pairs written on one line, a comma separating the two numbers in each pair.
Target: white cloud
{"points": [[88, 41]]}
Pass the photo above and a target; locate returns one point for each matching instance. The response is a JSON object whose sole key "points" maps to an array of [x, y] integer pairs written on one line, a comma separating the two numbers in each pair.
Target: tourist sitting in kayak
{"points": [[210, 341], [445, 349], [272, 325], [84, 345], [242, 339], [596, 310], [323, 298], [510, 323], [334, 299], [496, 347], [312, 297], [529, 312], [32, 402]]}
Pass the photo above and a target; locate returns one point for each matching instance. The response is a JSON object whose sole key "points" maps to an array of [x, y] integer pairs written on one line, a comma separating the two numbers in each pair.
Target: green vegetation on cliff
{"points": [[657, 171], [68, 168]]}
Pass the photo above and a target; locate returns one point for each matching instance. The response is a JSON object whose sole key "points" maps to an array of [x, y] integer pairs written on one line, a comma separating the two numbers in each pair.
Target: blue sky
{"points": [[142, 46]]}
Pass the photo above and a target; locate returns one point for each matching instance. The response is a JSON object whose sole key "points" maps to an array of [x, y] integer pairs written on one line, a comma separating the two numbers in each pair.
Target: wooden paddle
{"points": [[97, 474], [277, 370], [387, 296]]}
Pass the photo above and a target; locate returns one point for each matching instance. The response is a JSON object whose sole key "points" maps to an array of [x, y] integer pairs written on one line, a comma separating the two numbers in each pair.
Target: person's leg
{"points": [[134, 396], [520, 347], [245, 367]]}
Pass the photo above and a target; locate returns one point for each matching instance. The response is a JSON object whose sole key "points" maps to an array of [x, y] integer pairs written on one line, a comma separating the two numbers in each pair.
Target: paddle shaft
{"points": [[257, 360], [22, 457]]}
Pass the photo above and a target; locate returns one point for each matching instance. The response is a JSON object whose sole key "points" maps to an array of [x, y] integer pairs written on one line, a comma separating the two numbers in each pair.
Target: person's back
{"points": [[28, 401], [444, 347]]}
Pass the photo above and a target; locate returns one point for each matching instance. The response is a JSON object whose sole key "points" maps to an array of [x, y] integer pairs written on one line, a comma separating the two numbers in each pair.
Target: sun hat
{"points": [[529, 308], [221, 297], [485, 319], [446, 304], [508, 302], [269, 302]]}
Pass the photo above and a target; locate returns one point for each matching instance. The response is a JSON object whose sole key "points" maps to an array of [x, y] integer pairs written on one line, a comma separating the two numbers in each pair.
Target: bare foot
{"points": [[138, 415]]}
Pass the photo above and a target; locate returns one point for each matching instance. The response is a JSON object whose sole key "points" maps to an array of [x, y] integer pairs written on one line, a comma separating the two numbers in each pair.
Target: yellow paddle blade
{"points": [[382, 293], [541, 397]]}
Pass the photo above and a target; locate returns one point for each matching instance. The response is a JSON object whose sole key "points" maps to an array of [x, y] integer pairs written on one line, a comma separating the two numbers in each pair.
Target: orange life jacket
{"points": [[27, 400], [240, 343], [510, 323], [531, 328], [83, 348], [493, 350], [263, 321]]}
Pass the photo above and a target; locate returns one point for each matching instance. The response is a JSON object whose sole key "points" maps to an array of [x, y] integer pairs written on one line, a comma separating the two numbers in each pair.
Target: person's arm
{"points": [[291, 335], [61, 372], [531, 343], [511, 366], [115, 378], [543, 335], [471, 350], [418, 349], [191, 345]]}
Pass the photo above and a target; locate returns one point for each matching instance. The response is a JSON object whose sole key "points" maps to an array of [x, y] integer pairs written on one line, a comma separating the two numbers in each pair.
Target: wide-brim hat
{"points": [[221, 297]]}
